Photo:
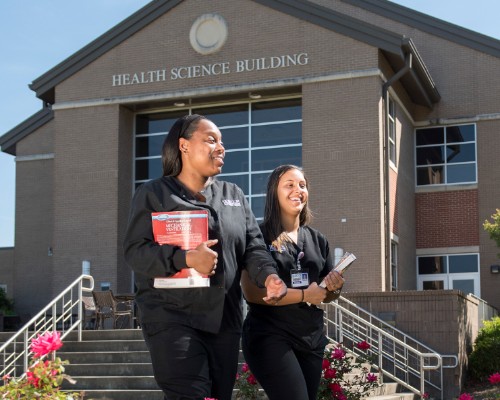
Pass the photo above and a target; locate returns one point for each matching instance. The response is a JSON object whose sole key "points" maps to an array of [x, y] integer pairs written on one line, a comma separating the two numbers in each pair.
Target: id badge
{"points": [[300, 277]]}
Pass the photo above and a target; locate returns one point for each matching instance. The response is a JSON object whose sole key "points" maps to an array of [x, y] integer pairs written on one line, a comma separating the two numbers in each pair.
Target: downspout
{"points": [[387, 208]]}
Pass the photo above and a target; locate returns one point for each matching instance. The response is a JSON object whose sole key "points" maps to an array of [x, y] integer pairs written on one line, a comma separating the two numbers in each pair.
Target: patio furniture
{"points": [[109, 307]]}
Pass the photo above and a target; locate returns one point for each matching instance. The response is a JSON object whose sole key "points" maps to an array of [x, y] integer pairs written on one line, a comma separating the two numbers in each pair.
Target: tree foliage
{"points": [[493, 228]]}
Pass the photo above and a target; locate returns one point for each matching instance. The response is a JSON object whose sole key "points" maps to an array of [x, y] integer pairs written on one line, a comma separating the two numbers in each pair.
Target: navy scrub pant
{"points": [[192, 364], [283, 370]]}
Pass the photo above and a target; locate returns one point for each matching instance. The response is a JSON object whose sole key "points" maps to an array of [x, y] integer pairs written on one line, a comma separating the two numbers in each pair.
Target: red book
{"points": [[186, 229]]}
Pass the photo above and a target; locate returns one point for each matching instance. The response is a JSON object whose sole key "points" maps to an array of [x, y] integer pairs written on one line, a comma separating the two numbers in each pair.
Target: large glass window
{"points": [[446, 155], [258, 136], [452, 271]]}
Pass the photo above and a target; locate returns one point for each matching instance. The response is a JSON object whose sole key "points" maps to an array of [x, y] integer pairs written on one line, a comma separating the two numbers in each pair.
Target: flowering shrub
{"points": [[247, 385], [43, 378], [336, 384], [491, 394], [494, 379]]}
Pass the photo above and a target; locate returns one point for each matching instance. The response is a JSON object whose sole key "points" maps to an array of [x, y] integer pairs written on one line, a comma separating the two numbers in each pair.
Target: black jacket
{"points": [[231, 221]]}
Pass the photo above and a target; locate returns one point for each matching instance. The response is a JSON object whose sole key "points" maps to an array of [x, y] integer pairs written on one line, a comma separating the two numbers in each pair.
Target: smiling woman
{"points": [[207, 318], [284, 344]]}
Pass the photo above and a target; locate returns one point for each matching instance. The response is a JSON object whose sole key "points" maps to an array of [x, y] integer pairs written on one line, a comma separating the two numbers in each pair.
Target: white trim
{"points": [[447, 251], [246, 87], [35, 157]]}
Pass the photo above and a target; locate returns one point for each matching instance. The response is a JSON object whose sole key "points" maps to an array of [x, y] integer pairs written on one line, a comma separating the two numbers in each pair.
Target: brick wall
{"points": [[447, 219]]}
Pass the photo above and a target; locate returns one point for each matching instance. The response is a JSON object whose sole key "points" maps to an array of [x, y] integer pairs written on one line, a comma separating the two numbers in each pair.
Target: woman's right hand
{"points": [[202, 259], [314, 294]]}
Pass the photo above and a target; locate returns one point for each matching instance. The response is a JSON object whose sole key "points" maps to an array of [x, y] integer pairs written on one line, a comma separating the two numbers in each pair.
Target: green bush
{"points": [[485, 358]]}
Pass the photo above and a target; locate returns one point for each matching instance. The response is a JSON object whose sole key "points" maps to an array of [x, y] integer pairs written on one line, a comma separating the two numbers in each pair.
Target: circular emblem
{"points": [[208, 33]]}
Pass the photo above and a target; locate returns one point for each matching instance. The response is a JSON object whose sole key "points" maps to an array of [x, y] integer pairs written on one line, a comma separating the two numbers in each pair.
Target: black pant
{"points": [[283, 370], [192, 364]]}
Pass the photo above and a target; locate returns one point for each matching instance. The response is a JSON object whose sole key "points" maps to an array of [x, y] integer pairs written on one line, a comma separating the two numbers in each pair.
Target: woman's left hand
{"points": [[334, 281], [276, 289]]}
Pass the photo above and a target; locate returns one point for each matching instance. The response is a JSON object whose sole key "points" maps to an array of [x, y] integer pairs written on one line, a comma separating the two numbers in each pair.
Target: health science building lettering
{"points": [[214, 69]]}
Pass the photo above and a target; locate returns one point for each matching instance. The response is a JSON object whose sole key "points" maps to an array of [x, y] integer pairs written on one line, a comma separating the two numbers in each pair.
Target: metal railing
{"points": [[485, 311], [64, 314], [399, 357]]}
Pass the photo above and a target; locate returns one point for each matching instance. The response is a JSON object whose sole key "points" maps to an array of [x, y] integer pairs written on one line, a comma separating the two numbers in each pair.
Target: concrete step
{"points": [[394, 396], [103, 345], [123, 395], [106, 334], [110, 369], [111, 383], [106, 357]]}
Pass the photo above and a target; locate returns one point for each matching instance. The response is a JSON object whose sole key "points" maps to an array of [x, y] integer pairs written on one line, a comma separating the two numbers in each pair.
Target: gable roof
{"points": [[395, 47], [389, 42]]}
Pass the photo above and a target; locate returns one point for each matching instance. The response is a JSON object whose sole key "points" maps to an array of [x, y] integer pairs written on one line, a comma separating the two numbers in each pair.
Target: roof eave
{"points": [[44, 86], [338, 22], [386, 41], [430, 24], [9, 140]]}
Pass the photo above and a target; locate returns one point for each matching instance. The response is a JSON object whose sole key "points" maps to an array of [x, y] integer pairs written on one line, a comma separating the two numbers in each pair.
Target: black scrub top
{"points": [[301, 323]]}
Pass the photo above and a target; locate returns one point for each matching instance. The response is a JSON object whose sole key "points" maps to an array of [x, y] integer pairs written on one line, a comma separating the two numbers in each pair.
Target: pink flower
{"points": [[251, 379], [46, 343], [338, 354], [335, 388], [245, 367], [465, 396], [364, 345], [326, 364], [371, 377], [494, 378], [330, 373], [425, 395], [33, 379]]}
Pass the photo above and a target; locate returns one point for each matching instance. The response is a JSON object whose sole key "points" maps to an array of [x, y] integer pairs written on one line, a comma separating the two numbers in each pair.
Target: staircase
{"points": [[115, 365], [110, 365]]}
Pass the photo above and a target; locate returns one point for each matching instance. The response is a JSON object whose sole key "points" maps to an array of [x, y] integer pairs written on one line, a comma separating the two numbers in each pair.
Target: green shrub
{"points": [[485, 358]]}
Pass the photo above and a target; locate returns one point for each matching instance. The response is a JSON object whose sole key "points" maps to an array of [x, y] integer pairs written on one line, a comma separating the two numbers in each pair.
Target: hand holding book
{"points": [[187, 230], [345, 262]]}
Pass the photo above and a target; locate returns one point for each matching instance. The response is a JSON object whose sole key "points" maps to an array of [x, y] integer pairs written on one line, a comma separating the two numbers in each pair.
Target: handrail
{"points": [[399, 357], [59, 314]]}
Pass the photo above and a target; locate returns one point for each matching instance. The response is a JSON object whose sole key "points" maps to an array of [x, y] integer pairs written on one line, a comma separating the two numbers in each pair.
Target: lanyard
{"points": [[299, 257]]}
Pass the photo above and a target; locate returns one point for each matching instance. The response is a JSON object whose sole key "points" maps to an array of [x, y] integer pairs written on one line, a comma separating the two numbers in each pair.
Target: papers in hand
{"points": [[346, 260]]}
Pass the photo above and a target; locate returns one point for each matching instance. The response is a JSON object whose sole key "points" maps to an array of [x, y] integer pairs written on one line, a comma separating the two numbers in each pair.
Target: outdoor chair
{"points": [[109, 307], [89, 312]]}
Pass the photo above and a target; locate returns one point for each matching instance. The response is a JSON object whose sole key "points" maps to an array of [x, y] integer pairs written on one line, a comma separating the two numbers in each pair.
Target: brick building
{"points": [[394, 115]]}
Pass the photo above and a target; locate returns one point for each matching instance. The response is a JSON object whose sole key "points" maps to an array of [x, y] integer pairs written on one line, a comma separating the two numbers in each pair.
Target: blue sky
{"points": [[36, 35]]}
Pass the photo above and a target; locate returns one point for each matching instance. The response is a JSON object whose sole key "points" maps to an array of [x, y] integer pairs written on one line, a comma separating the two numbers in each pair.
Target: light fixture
{"points": [[495, 269], [179, 104], [254, 96]]}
